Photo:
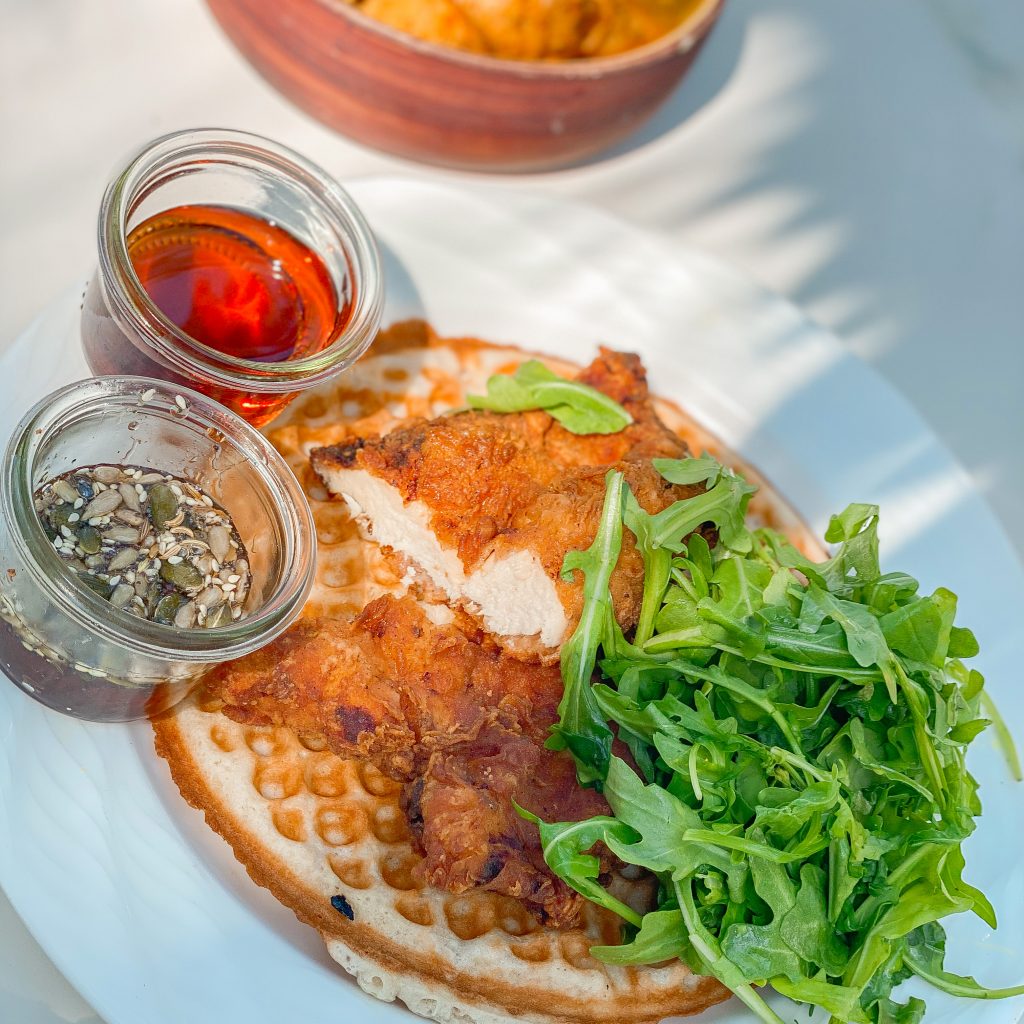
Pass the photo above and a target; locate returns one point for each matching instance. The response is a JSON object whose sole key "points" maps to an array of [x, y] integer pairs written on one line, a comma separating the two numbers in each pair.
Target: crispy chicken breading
{"points": [[459, 723], [486, 506]]}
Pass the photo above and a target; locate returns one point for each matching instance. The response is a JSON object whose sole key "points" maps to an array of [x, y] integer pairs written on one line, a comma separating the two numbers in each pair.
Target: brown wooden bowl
{"points": [[434, 103]]}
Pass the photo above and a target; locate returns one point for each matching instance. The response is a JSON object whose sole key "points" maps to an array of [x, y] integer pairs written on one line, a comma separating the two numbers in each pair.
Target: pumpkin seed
{"points": [[96, 585], [221, 617], [163, 505], [146, 541], [167, 607], [184, 575], [60, 516], [89, 540]]}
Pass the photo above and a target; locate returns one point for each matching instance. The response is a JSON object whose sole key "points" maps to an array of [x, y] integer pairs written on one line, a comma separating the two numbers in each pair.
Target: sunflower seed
{"points": [[130, 518], [102, 504], [65, 491], [121, 534], [220, 542], [122, 595], [185, 618], [210, 598], [123, 558], [129, 496]]}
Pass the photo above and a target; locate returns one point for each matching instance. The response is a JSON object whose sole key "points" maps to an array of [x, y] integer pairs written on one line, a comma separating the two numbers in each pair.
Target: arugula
{"points": [[800, 732], [580, 408], [581, 728]]}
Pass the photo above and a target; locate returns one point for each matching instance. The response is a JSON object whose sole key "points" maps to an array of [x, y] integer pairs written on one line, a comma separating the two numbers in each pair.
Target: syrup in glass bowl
{"points": [[230, 265], [238, 283]]}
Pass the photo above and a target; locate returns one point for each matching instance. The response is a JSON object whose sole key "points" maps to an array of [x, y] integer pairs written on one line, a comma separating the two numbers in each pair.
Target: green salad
{"points": [[796, 737]]}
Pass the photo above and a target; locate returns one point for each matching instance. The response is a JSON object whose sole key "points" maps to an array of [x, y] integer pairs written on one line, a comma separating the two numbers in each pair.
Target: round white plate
{"points": [[145, 910]]}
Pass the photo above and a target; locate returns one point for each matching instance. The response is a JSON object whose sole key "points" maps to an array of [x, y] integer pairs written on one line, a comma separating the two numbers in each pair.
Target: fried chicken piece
{"points": [[461, 811], [486, 506], [391, 687], [459, 723]]}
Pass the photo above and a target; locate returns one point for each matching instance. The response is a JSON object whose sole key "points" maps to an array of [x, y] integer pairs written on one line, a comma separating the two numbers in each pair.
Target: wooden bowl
{"points": [[437, 104]]}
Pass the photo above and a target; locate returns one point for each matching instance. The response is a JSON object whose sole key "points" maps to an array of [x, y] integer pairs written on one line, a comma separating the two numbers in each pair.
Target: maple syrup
{"points": [[237, 283], [230, 265]]}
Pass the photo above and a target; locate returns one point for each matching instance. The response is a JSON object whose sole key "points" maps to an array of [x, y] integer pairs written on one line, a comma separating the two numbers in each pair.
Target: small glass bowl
{"points": [[67, 646], [124, 332]]}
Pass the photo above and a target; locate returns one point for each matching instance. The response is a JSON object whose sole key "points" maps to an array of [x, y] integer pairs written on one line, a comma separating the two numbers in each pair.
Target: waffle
{"points": [[312, 827]]}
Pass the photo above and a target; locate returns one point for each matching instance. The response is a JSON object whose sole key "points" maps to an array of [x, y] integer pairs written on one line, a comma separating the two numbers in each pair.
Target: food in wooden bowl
{"points": [[533, 29], [510, 93]]}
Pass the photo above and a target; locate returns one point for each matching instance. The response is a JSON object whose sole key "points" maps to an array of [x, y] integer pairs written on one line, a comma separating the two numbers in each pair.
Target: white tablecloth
{"points": [[865, 159]]}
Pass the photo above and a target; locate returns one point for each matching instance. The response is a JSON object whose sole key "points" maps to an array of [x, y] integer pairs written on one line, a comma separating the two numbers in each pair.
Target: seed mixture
{"points": [[149, 543]]}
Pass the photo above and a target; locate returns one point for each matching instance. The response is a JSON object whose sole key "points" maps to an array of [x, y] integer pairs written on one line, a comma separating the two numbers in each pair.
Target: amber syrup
{"points": [[236, 283]]}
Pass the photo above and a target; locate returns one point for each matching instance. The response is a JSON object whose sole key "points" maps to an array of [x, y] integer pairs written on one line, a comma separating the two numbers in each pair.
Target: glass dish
{"points": [[124, 332], [64, 644]]}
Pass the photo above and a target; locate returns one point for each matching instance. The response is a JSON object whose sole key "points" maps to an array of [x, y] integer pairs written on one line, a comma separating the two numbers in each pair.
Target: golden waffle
{"points": [[310, 826]]}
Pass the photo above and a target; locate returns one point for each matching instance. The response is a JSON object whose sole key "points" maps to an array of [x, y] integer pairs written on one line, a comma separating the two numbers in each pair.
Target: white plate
{"points": [[145, 910]]}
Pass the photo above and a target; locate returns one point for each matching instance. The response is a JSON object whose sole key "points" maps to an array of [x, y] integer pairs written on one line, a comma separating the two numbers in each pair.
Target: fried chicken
{"points": [[459, 723], [485, 506]]}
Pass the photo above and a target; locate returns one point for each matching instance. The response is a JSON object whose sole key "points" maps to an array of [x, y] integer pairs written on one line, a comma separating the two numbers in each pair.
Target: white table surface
{"points": [[865, 159]]}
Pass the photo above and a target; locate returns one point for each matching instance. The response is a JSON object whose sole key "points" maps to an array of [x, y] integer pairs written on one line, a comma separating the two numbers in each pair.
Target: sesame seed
{"points": [[180, 402], [79, 502], [175, 560], [147, 396]]}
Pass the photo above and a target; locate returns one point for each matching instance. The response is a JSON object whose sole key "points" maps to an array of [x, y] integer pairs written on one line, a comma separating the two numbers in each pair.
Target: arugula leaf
{"points": [[724, 504], [581, 727], [705, 470], [565, 845], [662, 936], [580, 408], [924, 954]]}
